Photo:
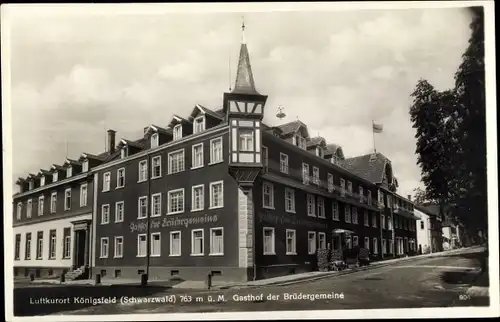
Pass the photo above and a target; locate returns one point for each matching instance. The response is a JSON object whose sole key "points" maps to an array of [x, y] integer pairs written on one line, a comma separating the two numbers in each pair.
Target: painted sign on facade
{"points": [[170, 221], [290, 220]]}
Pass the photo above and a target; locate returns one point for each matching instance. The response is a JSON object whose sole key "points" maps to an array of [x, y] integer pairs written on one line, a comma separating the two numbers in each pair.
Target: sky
{"points": [[74, 76]]}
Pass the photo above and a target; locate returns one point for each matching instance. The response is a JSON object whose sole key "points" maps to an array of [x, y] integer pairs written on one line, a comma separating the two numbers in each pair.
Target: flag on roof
{"points": [[377, 128]]}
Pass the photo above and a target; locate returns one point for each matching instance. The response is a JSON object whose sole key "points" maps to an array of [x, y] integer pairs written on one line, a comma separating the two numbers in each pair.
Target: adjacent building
{"points": [[429, 227]]}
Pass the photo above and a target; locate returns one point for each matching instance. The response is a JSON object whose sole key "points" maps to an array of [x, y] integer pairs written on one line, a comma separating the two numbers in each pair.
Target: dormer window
{"points": [[334, 159], [55, 176], [31, 184], [199, 124], [319, 151], [85, 166], [42, 181], [69, 171], [300, 142], [177, 131], [154, 140], [124, 152]]}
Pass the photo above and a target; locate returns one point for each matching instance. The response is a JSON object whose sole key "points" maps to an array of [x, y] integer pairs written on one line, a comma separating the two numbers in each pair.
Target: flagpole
{"points": [[373, 132]]}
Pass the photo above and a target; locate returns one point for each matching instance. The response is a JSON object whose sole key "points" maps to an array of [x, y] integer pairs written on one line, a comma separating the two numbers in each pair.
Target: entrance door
{"points": [[80, 247]]}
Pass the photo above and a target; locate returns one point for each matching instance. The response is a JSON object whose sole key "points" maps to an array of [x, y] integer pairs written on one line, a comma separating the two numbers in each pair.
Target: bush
{"points": [[323, 259]]}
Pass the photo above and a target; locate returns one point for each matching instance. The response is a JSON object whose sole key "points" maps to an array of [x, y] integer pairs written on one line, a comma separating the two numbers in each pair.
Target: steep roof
{"points": [[210, 112], [331, 149], [369, 166], [244, 83], [315, 141], [291, 127]]}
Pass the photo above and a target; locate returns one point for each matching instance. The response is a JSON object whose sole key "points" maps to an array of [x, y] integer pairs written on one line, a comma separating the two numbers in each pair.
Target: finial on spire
{"points": [[243, 40]]}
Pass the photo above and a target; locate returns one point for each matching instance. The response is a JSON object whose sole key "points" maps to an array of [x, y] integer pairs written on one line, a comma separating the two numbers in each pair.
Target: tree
{"points": [[420, 197]]}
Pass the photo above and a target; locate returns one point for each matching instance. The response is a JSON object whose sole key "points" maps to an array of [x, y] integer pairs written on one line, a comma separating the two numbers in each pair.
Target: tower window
{"points": [[246, 140]]}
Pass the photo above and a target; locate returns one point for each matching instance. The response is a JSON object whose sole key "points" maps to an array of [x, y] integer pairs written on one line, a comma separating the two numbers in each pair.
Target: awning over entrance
{"points": [[342, 231]]}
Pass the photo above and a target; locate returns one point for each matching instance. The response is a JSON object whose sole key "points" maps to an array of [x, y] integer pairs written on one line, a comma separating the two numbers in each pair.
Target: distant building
{"points": [[429, 234], [453, 235]]}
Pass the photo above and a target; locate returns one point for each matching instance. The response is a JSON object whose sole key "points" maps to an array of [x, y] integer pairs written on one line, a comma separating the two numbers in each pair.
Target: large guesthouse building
{"points": [[213, 192]]}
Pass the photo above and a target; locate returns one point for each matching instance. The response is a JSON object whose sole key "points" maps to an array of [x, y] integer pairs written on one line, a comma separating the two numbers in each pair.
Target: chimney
{"points": [[409, 197], [111, 141]]}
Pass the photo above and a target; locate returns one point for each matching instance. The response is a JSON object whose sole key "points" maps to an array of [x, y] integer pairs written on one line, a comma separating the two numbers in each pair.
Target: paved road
{"points": [[429, 282]]}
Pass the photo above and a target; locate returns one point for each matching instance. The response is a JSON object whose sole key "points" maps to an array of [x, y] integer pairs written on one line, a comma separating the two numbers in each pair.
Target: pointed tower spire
{"points": [[244, 83]]}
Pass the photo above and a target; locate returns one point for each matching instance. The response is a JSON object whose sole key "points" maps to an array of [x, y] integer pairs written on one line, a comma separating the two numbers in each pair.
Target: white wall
{"points": [[46, 226], [423, 235]]}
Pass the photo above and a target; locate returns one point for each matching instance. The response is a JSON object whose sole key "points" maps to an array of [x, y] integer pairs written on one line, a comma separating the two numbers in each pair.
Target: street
{"points": [[415, 283]]}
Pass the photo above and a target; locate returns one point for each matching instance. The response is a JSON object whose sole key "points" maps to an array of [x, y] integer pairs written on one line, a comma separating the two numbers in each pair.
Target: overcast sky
{"points": [[73, 76]]}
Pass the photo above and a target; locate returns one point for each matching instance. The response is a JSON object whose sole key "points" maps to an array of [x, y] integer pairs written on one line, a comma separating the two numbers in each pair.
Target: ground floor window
{"points": [[141, 245], [197, 242], [175, 243], [375, 245], [17, 253], [367, 243], [322, 240], [217, 241], [311, 237], [118, 246], [391, 246], [156, 244], [384, 246], [104, 247], [268, 241], [290, 242], [355, 241]]}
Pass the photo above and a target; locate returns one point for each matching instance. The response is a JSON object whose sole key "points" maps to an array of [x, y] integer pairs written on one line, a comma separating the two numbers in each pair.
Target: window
{"points": [[118, 247], [40, 205], [69, 171], [199, 124], [265, 160], [17, 248], [52, 244], [374, 220], [83, 195], [30, 208], [67, 243], [289, 200], [42, 181], [143, 170], [342, 187], [216, 241], [305, 173], [53, 202], [156, 164], [349, 187], [311, 237], [369, 198], [197, 198], [19, 210], [39, 245], [290, 242], [335, 211], [347, 213], [367, 243], [216, 194], [143, 207], [382, 221], [85, 166], [375, 245], [246, 140], [175, 243], [389, 223], [55, 176], [141, 245], [283, 163], [311, 205], [330, 182], [321, 207], [120, 178], [422, 224], [366, 218], [67, 199], [156, 244], [300, 142], [197, 156], [104, 214], [391, 246], [361, 194], [268, 195], [119, 209], [154, 140], [176, 201], [268, 241], [31, 185], [355, 241], [106, 181], [354, 215], [124, 152], [178, 132], [315, 175], [197, 242], [156, 205], [216, 151], [380, 196], [384, 246], [389, 201], [27, 250], [321, 241], [176, 161], [319, 152]]}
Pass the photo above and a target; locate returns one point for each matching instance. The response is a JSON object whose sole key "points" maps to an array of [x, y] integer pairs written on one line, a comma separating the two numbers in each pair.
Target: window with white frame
{"points": [[366, 218], [83, 195], [342, 187], [143, 207], [374, 220], [246, 140], [67, 246], [118, 247], [197, 156], [291, 242], [39, 245], [19, 210], [176, 201], [268, 195], [217, 194], [41, 200], [367, 243], [199, 124], [305, 173], [369, 197], [156, 205], [349, 187], [197, 242], [104, 214], [53, 202], [55, 176], [311, 245], [389, 201], [283, 163], [142, 245], [391, 246], [31, 184], [382, 221], [347, 213], [85, 166], [319, 152], [330, 182], [216, 150], [154, 140], [156, 167], [143, 170], [384, 246], [289, 200], [119, 211], [106, 181], [335, 210], [315, 175], [354, 215], [355, 241], [104, 247], [175, 243], [120, 178], [361, 194], [389, 222], [30, 208], [268, 242], [217, 241], [124, 152], [42, 181], [176, 161], [321, 207], [156, 244], [301, 142], [375, 245], [69, 171], [311, 205], [321, 241], [198, 198], [178, 132]]}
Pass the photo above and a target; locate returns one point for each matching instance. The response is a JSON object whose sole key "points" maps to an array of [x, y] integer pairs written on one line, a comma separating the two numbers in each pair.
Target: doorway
{"points": [[80, 237]]}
